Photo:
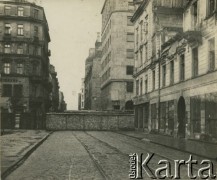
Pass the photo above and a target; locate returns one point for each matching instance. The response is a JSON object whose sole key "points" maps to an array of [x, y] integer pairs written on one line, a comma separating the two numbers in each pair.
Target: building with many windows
{"points": [[92, 93], [176, 91], [117, 62], [24, 58]]}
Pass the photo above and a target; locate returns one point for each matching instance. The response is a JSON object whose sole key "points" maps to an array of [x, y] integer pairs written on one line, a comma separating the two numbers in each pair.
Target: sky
{"points": [[73, 27]]}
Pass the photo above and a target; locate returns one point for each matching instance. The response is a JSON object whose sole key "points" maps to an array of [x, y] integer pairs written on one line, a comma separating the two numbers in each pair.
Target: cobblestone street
{"points": [[92, 155]]}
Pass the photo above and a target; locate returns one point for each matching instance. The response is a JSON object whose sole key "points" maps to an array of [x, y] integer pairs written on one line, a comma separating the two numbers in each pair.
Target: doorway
{"points": [[181, 109]]}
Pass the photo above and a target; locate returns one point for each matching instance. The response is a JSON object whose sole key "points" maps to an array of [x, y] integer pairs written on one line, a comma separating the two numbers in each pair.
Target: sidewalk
{"points": [[17, 145], [194, 147]]}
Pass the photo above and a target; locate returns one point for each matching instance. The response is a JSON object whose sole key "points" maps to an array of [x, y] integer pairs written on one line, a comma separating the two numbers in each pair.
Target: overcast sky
{"points": [[73, 29]]}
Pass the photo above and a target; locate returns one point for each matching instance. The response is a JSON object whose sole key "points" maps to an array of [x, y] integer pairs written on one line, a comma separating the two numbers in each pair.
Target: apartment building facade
{"points": [[117, 60], [24, 58], [179, 98]]}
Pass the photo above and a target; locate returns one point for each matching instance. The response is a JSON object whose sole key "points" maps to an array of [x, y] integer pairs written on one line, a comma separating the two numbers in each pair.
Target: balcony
{"points": [[139, 99]]}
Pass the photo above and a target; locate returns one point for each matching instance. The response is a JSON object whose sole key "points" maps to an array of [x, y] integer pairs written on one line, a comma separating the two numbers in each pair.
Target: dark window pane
{"points": [[7, 90]]}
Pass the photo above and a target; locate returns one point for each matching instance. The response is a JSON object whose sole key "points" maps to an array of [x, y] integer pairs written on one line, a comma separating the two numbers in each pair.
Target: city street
{"points": [[92, 155]]}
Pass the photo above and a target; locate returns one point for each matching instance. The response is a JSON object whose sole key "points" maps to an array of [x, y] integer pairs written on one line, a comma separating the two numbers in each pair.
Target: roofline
{"points": [[23, 3], [103, 6], [139, 10]]}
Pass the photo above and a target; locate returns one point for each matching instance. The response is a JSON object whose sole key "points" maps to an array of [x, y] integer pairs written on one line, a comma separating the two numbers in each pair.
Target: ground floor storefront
{"points": [[180, 115]]}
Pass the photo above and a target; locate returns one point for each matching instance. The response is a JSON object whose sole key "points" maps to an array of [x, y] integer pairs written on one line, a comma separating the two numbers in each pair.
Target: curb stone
{"points": [[154, 142], [21, 160]]}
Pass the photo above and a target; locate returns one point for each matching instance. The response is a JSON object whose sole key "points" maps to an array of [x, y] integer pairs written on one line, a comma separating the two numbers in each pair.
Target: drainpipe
{"points": [[159, 77]]}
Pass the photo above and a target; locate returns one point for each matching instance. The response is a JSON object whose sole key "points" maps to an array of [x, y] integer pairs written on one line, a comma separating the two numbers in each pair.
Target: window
{"points": [[7, 29], [7, 90], [36, 31], [171, 72], [20, 68], [20, 49], [146, 85], [146, 24], [130, 37], [7, 48], [137, 87], [137, 36], [7, 68], [211, 7], [36, 13], [35, 69], [129, 86], [129, 70], [7, 10], [35, 50], [163, 75], [141, 56], [211, 54], [20, 11], [130, 6], [141, 84], [130, 53], [146, 52], [18, 90], [129, 23], [195, 62], [182, 67], [153, 79], [194, 9], [141, 30], [20, 29]]}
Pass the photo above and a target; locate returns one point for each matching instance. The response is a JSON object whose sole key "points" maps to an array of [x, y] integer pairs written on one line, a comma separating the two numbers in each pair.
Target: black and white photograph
{"points": [[108, 89]]}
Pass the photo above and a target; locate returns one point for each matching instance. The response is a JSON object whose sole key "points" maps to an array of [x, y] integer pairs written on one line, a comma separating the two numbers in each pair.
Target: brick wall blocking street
{"points": [[90, 121]]}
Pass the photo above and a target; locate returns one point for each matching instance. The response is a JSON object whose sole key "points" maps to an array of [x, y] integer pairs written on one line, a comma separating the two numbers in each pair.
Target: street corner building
{"points": [[117, 62], [24, 61], [176, 68]]}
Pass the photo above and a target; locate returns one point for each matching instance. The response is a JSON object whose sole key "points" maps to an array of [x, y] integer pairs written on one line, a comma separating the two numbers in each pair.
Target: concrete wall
{"points": [[81, 120]]}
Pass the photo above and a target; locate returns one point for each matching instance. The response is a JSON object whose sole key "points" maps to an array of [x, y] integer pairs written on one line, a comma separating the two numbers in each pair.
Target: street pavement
{"points": [[15, 144], [93, 155]]}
